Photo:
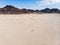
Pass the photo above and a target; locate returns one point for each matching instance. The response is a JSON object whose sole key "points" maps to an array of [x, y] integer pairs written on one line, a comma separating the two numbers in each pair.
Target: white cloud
{"points": [[47, 2], [55, 1]]}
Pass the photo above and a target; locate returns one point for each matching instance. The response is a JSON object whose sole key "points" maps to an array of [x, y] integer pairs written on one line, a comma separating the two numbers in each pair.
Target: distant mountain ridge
{"points": [[12, 10], [8, 9], [47, 10]]}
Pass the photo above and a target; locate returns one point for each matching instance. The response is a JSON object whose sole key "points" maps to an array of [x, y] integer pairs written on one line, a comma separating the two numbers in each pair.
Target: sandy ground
{"points": [[30, 29]]}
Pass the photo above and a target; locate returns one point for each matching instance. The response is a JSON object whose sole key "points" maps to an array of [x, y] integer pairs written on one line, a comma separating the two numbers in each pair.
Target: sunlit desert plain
{"points": [[30, 29]]}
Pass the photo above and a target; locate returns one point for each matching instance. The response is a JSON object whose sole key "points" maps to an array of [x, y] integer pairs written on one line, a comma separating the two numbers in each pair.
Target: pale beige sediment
{"points": [[30, 29]]}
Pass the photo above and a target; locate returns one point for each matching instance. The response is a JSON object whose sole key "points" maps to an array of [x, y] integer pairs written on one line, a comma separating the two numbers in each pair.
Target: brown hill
{"points": [[13, 10]]}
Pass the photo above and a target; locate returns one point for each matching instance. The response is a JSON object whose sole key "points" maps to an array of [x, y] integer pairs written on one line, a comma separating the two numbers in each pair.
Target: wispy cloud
{"points": [[47, 2]]}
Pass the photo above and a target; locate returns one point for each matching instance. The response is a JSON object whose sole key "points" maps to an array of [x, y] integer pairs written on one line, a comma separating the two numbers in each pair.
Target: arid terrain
{"points": [[30, 29], [9, 9]]}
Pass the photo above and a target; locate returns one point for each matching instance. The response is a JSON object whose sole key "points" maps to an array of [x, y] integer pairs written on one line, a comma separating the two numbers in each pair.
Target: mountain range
{"points": [[8, 9]]}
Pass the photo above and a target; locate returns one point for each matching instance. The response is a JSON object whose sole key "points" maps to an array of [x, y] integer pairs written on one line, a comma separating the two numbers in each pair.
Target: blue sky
{"points": [[31, 4]]}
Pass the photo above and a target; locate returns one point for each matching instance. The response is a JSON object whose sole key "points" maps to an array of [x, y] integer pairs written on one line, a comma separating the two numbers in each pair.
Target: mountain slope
{"points": [[13, 10]]}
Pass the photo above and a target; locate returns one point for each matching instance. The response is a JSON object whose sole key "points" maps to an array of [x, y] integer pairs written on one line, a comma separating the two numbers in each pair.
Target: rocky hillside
{"points": [[13, 10], [47, 10]]}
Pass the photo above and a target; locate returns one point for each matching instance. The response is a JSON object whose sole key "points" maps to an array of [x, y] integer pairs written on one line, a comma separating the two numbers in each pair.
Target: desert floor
{"points": [[30, 29]]}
